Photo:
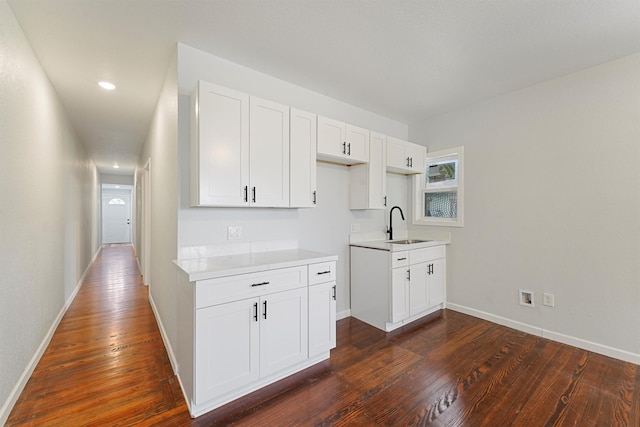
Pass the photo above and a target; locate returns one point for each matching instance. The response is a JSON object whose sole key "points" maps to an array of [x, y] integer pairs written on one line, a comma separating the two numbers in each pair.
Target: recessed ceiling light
{"points": [[107, 85], [116, 166]]}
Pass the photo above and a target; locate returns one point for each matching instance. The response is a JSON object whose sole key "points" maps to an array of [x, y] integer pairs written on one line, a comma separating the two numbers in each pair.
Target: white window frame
{"points": [[419, 190]]}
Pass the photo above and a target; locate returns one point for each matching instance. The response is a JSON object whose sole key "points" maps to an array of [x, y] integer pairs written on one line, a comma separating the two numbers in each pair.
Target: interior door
{"points": [[116, 218]]}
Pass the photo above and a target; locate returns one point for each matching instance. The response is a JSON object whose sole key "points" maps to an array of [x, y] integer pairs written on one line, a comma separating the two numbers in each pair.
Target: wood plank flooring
{"points": [[106, 365]]}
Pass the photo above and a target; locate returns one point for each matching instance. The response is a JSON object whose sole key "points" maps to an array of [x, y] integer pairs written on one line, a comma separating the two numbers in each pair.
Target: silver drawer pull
{"points": [[323, 272], [259, 284]]}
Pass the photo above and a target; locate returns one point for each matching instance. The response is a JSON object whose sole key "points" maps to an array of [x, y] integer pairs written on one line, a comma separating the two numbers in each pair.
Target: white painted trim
{"points": [[343, 314], [605, 350], [31, 366], [165, 338]]}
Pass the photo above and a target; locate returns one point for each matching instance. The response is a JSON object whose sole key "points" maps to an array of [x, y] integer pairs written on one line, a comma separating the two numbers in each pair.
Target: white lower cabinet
{"points": [[241, 332], [283, 330], [227, 348], [322, 308], [390, 289], [260, 335]]}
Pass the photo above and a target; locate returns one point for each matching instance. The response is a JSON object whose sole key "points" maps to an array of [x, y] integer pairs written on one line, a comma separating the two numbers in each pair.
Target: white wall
{"points": [[116, 179], [324, 228], [161, 147], [49, 192], [552, 204]]}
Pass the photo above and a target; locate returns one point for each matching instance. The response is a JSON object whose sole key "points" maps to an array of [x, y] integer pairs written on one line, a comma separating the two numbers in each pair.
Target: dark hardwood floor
{"points": [[106, 365]]}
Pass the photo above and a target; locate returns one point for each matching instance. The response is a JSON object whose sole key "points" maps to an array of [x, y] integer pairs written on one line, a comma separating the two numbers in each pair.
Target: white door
{"points": [[322, 318], [418, 297], [331, 137], [283, 330], [116, 218], [436, 280], [357, 143], [223, 146], [302, 161], [227, 353], [268, 153], [399, 294]]}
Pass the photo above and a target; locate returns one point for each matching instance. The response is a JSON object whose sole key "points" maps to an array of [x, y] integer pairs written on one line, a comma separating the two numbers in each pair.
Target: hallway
{"points": [[106, 363]]}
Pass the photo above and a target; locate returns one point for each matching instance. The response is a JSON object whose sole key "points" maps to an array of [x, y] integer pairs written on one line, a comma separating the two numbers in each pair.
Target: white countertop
{"points": [[386, 245], [229, 265]]}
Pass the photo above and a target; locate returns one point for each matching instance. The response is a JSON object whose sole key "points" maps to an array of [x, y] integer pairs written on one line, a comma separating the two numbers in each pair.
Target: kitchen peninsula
{"points": [[248, 320]]}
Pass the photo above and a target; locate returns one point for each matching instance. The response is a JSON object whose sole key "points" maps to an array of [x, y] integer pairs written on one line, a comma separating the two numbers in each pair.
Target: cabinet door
{"points": [[302, 148], [219, 146], [283, 330], [418, 294], [399, 294], [417, 154], [357, 140], [396, 155], [368, 181], [322, 318], [268, 154], [331, 138], [436, 282], [227, 354]]}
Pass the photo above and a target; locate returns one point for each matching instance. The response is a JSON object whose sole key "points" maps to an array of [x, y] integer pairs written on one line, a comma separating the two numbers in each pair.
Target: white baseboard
{"points": [[165, 338], [551, 335], [343, 314], [35, 359]]}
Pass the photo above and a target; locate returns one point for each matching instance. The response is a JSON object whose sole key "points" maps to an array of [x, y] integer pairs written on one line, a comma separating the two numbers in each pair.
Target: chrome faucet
{"points": [[390, 230]]}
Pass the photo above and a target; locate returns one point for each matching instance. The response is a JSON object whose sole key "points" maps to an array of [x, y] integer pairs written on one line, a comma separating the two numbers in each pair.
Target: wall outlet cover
{"points": [[548, 300]]}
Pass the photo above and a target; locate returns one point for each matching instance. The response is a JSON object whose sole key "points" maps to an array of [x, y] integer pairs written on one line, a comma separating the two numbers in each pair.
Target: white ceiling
{"points": [[404, 59]]}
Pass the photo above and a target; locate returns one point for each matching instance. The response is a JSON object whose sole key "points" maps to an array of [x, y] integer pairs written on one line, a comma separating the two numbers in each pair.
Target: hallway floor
{"points": [[106, 363], [107, 366]]}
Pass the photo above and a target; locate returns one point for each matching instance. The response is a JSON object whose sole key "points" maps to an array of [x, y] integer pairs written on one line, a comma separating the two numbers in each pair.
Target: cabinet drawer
{"points": [[232, 288], [322, 272], [426, 254], [399, 259]]}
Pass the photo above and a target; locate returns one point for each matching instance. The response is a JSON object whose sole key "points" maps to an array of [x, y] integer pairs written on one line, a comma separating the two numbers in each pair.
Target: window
{"points": [[116, 201], [438, 193]]}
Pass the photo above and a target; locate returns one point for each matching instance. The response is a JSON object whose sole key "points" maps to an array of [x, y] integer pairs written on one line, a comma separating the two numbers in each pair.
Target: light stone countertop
{"points": [[230, 265]]}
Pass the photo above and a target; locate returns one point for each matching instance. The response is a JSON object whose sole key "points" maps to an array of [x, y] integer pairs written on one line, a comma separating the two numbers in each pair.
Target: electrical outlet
{"points": [[548, 300], [234, 233], [355, 228], [527, 298]]}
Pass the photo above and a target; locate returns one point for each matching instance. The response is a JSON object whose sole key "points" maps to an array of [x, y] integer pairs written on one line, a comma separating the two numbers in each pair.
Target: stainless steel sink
{"points": [[408, 241]]}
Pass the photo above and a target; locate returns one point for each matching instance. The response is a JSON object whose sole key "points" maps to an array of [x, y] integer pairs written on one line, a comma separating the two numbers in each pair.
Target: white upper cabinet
{"points": [[405, 157], [268, 154], [219, 146], [368, 181], [302, 149], [239, 149], [339, 142]]}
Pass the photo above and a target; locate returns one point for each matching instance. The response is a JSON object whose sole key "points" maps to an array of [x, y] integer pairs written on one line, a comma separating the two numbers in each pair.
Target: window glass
{"points": [[440, 174], [441, 204], [438, 193]]}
